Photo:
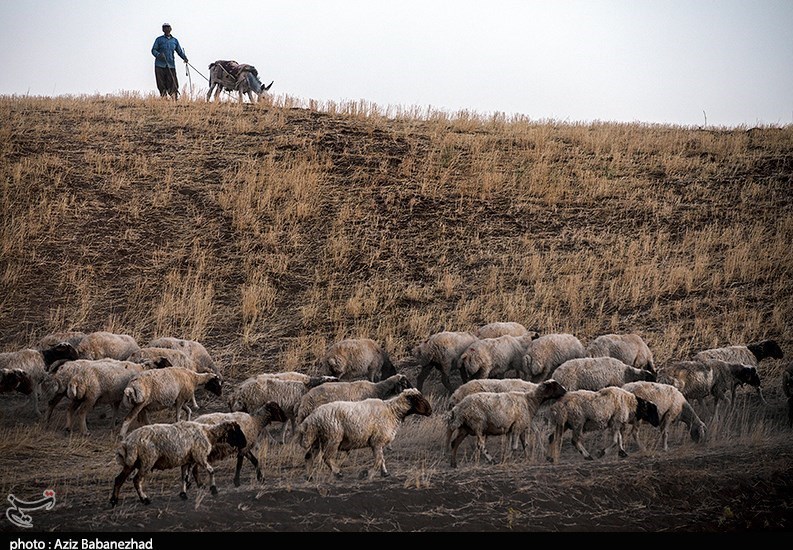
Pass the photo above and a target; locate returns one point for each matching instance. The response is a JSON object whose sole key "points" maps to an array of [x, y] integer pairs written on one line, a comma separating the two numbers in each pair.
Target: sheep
{"points": [[355, 359], [350, 391], [750, 355], [174, 357], [170, 387], [253, 425], [610, 408], [15, 380], [494, 357], [787, 389], [255, 391], [192, 349], [631, 349], [490, 413], [101, 381], [700, 379], [35, 363], [594, 373], [494, 330], [441, 351], [495, 385], [547, 352], [166, 446], [672, 405], [72, 337], [348, 425], [308, 380], [106, 345]]}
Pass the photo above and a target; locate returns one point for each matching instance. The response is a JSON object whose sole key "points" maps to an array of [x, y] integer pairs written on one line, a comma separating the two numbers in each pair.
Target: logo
{"points": [[16, 514]]}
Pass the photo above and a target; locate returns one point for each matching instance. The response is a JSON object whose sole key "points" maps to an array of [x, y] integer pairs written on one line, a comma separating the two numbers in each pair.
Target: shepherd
{"points": [[164, 63]]}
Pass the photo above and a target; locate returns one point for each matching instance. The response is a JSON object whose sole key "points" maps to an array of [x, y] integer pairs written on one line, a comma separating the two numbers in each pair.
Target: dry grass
{"points": [[268, 231]]}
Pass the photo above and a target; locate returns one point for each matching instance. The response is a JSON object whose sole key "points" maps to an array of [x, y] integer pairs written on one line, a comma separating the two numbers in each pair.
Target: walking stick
{"points": [[187, 70]]}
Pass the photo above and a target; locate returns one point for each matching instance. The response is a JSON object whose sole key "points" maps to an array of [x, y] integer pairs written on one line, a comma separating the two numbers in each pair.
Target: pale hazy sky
{"points": [[664, 61]]}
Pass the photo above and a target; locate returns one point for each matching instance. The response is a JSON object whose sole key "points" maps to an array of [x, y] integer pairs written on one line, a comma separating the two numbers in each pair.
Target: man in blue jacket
{"points": [[164, 63]]}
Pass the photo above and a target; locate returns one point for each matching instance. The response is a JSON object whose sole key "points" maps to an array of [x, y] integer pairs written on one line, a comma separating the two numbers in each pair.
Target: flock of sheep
{"points": [[512, 379]]}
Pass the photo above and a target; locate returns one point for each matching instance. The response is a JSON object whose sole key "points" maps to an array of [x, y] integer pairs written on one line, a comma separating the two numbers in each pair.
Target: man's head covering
{"points": [[166, 25]]}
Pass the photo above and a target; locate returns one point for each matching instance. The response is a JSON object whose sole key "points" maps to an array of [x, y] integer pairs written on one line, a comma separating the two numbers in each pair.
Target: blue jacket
{"points": [[163, 49]]}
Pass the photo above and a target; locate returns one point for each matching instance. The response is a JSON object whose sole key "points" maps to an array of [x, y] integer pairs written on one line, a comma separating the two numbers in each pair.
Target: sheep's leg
{"points": [[379, 462], [448, 442], [284, 429], [119, 481], [130, 418], [52, 404], [447, 383], [34, 396], [580, 446], [461, 434], [329, 456], [185, 481], [82, 414], [310, 459], [481, 446], [138, 482], [70, 411], [422, 376], [555, 443]]}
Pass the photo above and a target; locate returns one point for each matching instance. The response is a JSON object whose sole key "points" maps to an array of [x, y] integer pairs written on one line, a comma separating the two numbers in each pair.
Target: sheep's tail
{"points": [[75, 391], [451, 421], [126, 455], [132, 395]]}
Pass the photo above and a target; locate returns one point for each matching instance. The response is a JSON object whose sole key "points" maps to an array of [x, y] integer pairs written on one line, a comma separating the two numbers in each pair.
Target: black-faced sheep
{"points": [[356, 359], [72, 337], [594, 373], [672, 406], [441, 351], [35, 363], [494, 357], [547, 352], [253, 425], [348, 425], [193, 349], [505, 413], [750, 355], [700, 379], [166, 446], [351, 391], [610, 408], [501, 328], [168, 388], [631, 349]]}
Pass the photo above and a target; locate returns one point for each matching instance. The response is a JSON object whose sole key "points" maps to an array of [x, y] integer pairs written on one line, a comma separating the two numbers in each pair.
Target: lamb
{"points": [[253, 425], [547, 352], [101, 381], [750, 355], [166, 446], [787, 389], [594, 373], [357, 358], [441, 351], [494, 330], [34, 363], [106, 345], [631, 349], [192, 349], [697, 380], [171, 387], [348, 425], [489, 413], [611, 408], [350, 391], [258, 390], [494, 357], [672, 406]]}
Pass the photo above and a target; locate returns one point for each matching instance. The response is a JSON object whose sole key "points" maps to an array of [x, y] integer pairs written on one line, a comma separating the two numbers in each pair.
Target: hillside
{"points": [[269, 231]]}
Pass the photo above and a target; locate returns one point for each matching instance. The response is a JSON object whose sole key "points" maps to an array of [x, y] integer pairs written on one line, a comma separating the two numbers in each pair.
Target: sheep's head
{"points": [[766, 348], [418, 403], [647, 411], [9, 379], [59, 352], [214, 385], [646, 375], [748, 375], [401, 382], [387, 370], [236, 404], [228, 432], [550, 389], [697, 431], [272, 410]]}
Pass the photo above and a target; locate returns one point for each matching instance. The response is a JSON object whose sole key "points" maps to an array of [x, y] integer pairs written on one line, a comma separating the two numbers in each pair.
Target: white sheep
{"points": [[490, 413], [501, 328], [166, 446], [672, 406], [494, 357], [257, 390], [171, 387], [350, 391], [631, 349], [355, 359], [750, 355], [787, 389], [99, 382], [611, 408], [348, 425], [441, 351], [547, 352], [106, 345], [192, 349], [594, 373], [254, 426], [495, 385], [169, 357], [35, 363], [700, 379]]}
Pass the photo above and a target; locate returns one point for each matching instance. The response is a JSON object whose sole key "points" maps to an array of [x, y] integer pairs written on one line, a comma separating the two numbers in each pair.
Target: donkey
{"points": [[233, 76]]}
